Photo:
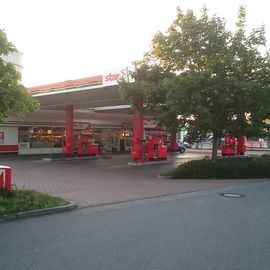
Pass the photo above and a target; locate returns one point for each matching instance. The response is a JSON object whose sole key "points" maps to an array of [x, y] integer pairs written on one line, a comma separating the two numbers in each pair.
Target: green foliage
{"points": [[5, 46], [148, 84], [224, 168], [13, 95], [4, 193], [216, 81], [27, 200]]}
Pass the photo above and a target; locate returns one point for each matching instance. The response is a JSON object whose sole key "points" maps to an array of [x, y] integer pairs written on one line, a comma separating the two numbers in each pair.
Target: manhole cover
{"points": [[232, 195]]}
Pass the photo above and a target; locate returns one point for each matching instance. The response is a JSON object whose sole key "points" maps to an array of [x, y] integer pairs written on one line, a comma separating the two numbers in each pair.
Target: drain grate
{"points": [[232, 195]]}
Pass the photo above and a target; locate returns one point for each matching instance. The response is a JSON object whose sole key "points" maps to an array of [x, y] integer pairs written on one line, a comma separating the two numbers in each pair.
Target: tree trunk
{"points": [[215, 147]]}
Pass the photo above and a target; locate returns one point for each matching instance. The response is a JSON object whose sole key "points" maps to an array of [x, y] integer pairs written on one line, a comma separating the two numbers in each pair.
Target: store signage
{"points": [[152, 125], [24, 145], [77, 125], [2, 137], [114, 76]]}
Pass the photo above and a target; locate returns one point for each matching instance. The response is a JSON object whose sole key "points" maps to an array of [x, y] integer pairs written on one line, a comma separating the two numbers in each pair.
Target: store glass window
{"points": [[23, 135], [46, 137], [57, 137], [35, 137]]}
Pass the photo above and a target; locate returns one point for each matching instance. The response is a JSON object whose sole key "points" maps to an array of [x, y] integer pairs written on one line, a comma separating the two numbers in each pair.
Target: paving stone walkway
{"points": [[98, 181]]}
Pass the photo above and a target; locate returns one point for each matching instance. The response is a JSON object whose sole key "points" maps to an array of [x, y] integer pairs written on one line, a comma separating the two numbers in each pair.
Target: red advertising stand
{"points": [[5, 178]]}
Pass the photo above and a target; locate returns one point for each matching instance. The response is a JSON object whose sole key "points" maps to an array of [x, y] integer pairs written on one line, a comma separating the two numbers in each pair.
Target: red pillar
{"points": [[138, 137], [68, 148], [138, 150], [173, 144]]}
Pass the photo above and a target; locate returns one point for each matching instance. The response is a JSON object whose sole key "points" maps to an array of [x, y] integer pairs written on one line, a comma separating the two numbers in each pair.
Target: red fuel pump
{"points": [[156, 150], [85, 146], [241, 147], [153, 149], [173, 144], [233, 146], [229, 146]]}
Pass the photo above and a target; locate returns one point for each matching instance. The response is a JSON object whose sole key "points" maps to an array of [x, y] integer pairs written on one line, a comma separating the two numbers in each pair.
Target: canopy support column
{"points": [[68, 148]]}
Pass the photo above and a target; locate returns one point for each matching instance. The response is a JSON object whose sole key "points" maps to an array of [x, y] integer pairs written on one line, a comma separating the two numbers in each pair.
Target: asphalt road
{"points": [[199, 230]]}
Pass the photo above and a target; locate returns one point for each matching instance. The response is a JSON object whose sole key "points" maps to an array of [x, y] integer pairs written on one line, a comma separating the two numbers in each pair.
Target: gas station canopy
{"points": [[84, 94]]}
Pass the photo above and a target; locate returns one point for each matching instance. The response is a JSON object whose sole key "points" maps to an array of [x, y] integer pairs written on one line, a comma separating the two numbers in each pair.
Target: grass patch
{"points": [[26, 200], [223, 168]]}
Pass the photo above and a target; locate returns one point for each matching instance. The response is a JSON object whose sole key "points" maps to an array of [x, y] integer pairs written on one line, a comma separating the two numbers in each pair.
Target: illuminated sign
{"points": [[114, 76]]}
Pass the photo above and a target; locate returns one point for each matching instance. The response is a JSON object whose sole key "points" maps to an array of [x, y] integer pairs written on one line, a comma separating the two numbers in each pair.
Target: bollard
{"points": [[5, 178]]}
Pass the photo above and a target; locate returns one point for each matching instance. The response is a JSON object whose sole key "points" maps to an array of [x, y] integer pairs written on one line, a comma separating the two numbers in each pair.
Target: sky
{"points": [[71, 39]]}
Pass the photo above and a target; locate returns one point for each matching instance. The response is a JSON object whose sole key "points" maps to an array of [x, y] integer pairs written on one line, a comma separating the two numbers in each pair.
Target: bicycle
{"points": [[106, 150], [106, 154]]}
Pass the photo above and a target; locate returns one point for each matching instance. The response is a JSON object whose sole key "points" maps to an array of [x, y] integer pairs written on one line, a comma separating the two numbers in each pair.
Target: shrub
{"points": [[224, 168]]}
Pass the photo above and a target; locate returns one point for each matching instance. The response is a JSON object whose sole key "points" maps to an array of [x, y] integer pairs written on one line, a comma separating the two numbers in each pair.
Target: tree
{"points": [[13, 95], [213, 81]]}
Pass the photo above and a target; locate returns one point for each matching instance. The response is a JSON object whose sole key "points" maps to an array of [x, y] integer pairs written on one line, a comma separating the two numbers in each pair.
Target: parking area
{"points": [[90, 182]]}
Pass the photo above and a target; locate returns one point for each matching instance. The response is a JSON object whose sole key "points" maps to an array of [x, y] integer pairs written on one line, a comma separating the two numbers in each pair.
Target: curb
{"points": [[149, 163], [164, 176], [39, 212], [70, 158]]}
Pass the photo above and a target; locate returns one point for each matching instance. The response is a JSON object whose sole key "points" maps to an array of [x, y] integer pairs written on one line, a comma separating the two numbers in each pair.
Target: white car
{"points": [[181, 147]]}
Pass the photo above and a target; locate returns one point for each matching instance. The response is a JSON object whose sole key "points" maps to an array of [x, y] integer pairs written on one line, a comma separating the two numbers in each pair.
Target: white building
{"points": [[14, 58]]}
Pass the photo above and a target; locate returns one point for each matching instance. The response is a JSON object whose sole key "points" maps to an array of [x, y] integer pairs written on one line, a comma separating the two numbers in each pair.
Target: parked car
{"points": [[181, 147], [187, 145]]}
